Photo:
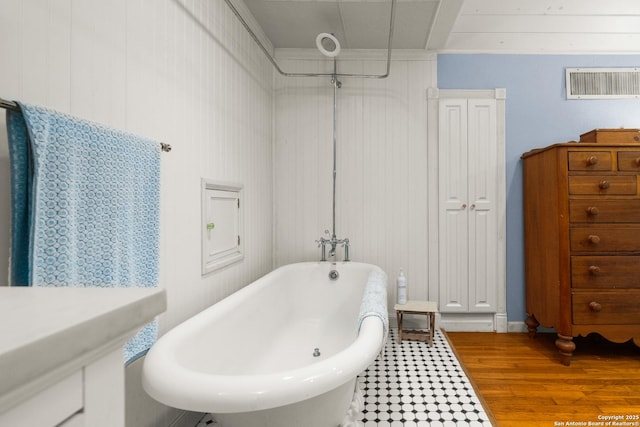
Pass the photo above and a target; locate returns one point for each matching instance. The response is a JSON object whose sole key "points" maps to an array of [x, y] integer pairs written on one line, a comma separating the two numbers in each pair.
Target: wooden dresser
{"points": [[582, 241]]}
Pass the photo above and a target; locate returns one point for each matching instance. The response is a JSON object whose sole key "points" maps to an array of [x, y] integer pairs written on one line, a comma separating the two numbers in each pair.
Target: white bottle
{"points": [[402, 288]]}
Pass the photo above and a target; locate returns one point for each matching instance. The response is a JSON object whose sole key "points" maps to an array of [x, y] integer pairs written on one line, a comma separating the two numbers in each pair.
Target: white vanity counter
{"points": [[66, 343]]}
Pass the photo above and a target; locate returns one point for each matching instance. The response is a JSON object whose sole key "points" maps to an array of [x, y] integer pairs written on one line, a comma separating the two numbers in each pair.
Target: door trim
{"points": [[433, 97]]}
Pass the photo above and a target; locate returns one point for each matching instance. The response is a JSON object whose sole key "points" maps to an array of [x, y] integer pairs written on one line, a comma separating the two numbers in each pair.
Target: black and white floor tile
{"points": [[415, 385]]}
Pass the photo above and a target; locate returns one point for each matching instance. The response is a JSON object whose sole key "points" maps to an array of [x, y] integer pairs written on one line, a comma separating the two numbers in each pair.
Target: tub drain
{"points": [[316, 352]]}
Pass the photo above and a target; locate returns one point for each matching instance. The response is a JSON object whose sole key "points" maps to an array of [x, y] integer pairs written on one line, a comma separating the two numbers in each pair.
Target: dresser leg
{"points": [[532, 326], [565, 346]]}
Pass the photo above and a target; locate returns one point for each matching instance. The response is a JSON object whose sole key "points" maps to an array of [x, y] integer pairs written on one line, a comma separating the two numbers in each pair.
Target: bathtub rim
{"points": [[172, 384]]}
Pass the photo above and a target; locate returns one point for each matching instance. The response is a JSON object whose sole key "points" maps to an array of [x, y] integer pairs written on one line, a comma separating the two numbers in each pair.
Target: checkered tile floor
{"points": [[414, 385]]}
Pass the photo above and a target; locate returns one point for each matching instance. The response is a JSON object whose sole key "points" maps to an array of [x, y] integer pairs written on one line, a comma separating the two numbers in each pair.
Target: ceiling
{"points": [[521, 26]]}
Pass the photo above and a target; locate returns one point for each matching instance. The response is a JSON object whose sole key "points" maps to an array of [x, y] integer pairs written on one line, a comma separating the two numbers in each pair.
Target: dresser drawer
{"points": [[597, 210], [629, 160], [606, 272], [606, 308], [590, 161], [605, 239], [603, 184]]}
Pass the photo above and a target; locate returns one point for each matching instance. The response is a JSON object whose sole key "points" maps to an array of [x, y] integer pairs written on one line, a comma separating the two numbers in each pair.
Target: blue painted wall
{"points": [[538, 114]]}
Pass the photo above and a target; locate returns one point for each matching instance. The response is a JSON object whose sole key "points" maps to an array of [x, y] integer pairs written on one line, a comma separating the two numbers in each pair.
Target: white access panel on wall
{"points": [[222, 225], [471, 206]]}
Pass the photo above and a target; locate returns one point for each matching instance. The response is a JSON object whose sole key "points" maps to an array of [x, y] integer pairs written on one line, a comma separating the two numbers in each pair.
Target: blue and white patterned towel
{"points": [[374, 302], [87, 197]]}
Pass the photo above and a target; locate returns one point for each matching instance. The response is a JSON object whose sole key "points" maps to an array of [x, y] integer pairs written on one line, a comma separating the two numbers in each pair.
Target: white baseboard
{"points": [[516, 327], [464, 323], [460, 322]]}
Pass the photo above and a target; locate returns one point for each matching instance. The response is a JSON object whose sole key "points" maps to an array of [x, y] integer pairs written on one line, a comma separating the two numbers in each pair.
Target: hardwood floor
{"points": [[523, 383]]}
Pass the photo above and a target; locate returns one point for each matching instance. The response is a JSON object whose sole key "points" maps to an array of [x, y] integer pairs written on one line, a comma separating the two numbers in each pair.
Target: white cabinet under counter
{"points": [[61, 358]]}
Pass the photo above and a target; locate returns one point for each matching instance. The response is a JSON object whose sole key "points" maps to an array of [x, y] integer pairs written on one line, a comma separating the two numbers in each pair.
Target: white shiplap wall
{"points": [[182, 72], [382, 177], [555, 26]]}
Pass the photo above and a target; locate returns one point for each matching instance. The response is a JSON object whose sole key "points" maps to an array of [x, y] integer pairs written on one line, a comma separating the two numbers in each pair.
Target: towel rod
{"points": [[10, 105]]}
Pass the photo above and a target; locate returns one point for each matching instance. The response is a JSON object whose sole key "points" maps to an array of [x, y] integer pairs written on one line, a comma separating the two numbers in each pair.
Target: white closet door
{"points": [[453, 190], [482, 184], [468, 180]]}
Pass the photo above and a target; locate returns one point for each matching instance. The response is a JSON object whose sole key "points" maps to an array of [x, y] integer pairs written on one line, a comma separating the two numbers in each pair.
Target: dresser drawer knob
{"points": [[604, 184], [593, 211], [595, 306], [592, 160], [594, 270], [637, 161], [593, 238]]}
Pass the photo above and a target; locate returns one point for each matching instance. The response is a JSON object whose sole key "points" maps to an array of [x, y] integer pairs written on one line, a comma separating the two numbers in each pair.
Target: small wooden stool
{"points": [[427, 308]]}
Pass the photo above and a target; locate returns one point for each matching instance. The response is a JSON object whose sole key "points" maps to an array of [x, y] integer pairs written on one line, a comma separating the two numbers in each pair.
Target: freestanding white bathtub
{"points": [[284, 351]]}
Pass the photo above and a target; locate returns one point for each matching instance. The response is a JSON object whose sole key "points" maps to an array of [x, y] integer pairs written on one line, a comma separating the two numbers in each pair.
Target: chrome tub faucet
{"points": [[333, 242]]}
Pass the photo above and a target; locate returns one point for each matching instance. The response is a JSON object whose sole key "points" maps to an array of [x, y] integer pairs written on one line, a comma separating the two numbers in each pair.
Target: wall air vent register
{"points": [[603, 83]]}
